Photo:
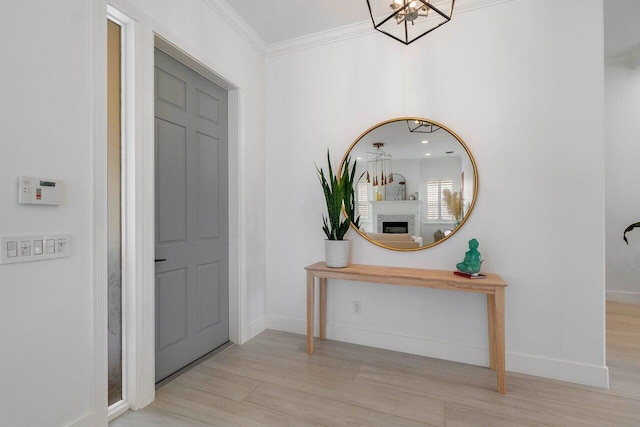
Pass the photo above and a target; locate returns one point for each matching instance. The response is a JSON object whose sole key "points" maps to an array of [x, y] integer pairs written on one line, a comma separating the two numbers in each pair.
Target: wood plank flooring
{"points": [[271, 381]]}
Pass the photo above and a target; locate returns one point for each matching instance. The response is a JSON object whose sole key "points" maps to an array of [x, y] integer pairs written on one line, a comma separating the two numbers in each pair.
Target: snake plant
{"points": [[338, 193]]}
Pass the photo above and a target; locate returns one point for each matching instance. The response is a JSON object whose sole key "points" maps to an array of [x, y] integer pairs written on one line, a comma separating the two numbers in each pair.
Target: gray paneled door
{"points": [[192, 255]]}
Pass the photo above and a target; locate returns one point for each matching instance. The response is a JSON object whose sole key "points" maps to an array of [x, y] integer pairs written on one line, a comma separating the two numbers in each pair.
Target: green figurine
{"points": [[471, 263]]}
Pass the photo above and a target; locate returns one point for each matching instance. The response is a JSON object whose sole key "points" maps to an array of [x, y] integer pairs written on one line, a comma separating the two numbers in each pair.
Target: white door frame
{"points": [[142, 35]]}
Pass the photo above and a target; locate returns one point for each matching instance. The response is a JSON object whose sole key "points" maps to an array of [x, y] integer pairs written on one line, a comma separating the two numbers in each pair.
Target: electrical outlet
{"points": [[357, 307]]}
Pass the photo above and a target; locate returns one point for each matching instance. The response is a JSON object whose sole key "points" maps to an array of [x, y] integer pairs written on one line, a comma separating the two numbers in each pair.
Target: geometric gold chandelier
{"points": [[409, 20]]}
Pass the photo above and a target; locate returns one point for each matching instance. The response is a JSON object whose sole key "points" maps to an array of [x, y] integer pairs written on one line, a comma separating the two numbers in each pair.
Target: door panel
{"points": [[172, 90], [171, 167], [208, 107], [208, 295], [192, 281], [208, 191], [171, 297]]}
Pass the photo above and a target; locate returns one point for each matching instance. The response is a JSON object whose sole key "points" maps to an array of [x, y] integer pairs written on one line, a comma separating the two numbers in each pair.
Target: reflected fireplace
{"points": [[396, 227]]}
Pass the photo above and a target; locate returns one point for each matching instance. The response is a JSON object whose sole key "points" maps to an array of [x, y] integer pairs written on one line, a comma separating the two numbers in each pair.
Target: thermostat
{"points": [[40, 191]]}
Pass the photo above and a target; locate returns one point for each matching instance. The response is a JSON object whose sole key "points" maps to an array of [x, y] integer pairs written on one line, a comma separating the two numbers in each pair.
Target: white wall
{"points": [[46, 308], [622, 89], [410, 170], [517, 82]]}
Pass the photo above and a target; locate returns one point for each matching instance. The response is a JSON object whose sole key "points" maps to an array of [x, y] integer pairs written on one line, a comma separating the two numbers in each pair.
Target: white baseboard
{"points": [[406, 344], [117, 409], [597, 376], [86, 420], [623, 296], [254, 328]]}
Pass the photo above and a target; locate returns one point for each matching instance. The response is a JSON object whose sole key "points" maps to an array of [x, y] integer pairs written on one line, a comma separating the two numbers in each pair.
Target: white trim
{"points": [[117, 409], [624, 296], [97, 39], [359, 29], [140, 295], [128, 225], [86, 420], [238, 24], [256, 327], [181, 46], [318, 39], [138, 330], [237, 217], [592, 375], [580, 373]]}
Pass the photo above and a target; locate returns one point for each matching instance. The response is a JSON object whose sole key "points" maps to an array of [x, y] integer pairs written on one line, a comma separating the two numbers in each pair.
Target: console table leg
{"points": [[310, 310], [323, 308], [491, 314], [500, 337]]}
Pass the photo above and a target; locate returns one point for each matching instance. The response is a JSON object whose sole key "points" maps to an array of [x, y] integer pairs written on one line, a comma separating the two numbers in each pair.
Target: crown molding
{"points": [[359, 29], [324, 37], [317, 39], [237, 23], [631, 59]]}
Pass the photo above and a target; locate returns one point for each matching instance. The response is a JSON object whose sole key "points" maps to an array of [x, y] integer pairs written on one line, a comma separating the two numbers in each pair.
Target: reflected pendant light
{"points": [[421, 126], [409, 20], [377, 162]]}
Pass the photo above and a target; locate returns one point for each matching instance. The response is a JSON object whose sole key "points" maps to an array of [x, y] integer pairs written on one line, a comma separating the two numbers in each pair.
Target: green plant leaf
{"points": [[338, 193]]}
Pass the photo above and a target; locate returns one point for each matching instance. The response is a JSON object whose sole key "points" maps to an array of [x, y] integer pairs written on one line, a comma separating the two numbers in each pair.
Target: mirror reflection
{"points": [[418, 183]]}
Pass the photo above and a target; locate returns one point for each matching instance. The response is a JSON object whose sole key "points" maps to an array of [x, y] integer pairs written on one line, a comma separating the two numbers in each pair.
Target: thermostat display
{"points": [[40, 191]]}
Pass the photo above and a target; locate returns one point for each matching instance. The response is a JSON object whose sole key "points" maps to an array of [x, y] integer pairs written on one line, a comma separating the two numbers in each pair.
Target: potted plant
{"points": [[338, 193]]}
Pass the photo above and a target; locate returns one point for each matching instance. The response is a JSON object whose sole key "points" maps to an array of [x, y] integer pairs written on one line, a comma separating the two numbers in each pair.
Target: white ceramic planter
{"points": [[336, 253]]}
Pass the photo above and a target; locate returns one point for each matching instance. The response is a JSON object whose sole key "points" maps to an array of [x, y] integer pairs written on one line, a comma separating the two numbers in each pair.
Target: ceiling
{"points": [[281, 20], [277, 21]]}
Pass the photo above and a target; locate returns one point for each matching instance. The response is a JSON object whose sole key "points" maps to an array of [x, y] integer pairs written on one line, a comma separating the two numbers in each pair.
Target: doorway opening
{"points": [[191, 215]]}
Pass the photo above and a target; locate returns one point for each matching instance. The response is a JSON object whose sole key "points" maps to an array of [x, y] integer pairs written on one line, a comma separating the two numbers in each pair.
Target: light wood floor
{"points": [[272, 381]]}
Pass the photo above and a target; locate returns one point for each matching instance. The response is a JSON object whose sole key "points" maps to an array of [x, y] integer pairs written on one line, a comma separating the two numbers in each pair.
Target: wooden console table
{"points": [[493, 286]]}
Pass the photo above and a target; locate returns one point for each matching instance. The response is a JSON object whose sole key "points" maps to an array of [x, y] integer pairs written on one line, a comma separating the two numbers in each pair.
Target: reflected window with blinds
{"points": [[436, 206], [362, 194]]}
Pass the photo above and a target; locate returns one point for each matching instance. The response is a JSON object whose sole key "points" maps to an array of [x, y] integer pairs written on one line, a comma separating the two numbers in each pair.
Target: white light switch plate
{"points": [[34, 247]]}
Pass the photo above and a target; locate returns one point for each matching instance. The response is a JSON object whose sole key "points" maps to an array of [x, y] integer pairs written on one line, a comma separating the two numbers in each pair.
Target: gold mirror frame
{"points": [[475, 180]]}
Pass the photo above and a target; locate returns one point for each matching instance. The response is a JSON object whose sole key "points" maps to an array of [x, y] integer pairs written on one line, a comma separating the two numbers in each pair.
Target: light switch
{"points": [[35, 247], [62, 245], [12, 249], [25, 248]]}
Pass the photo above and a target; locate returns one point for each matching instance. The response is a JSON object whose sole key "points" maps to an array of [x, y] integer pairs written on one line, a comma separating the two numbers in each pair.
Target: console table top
{"points": [[439, 279]]}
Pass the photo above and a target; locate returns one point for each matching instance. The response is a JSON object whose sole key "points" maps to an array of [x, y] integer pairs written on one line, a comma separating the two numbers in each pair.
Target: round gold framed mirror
{"points": [[417, 185]]}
